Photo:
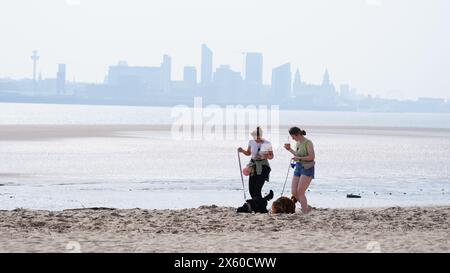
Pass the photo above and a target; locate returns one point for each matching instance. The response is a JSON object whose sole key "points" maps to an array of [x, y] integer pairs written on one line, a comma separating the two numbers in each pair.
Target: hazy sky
{"points": [[391, 48]]}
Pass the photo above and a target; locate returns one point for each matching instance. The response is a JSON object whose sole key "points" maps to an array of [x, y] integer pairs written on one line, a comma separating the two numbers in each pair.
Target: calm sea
{"points": [[403, 160]]}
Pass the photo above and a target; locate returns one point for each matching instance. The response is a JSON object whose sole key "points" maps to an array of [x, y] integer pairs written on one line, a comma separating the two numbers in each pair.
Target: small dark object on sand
{"points": [[258, 205], [353, 196]]}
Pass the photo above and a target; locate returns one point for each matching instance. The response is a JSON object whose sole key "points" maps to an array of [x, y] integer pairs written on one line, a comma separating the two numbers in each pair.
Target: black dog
{"points": [[258, 205]]}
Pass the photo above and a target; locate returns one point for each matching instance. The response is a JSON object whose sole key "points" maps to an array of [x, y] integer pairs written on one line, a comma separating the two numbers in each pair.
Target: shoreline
{"points": [[221, 229], [170, 103], [23, 132]]}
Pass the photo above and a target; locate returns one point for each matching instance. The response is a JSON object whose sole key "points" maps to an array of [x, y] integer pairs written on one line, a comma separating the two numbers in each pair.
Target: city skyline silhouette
{"points": [[154, 86], [390, 49]]}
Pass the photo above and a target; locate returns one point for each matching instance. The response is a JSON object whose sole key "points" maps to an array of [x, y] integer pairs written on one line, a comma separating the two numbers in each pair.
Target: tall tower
{"points": [[190, 76], [61, 79], [326, 79], [166, 69], [35, 58], [207, 65], [297, 85], [254, 68], [282, 81]]}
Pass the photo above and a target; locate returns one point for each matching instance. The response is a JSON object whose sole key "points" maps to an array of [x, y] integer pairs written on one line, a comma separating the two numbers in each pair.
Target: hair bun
{"points": [[304, 132]]}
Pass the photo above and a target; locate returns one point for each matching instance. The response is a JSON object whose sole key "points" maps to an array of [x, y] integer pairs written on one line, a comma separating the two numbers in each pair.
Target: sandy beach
{"points": [[57, 157], [220, 229]]}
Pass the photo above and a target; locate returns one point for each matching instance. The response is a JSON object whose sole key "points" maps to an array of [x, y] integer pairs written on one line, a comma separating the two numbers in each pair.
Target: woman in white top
{"points": [[260, 150]]}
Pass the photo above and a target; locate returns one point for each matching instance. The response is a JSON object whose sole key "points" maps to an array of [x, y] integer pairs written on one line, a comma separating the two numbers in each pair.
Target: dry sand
{"points": [[219, 229]]}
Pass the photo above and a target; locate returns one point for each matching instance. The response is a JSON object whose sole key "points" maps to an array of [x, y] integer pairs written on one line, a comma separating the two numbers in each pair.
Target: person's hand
{"points": [[296, 158], [287, 146], [240, 150]]}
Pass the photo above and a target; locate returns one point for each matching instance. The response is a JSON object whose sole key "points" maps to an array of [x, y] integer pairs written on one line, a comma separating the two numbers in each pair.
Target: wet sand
{"points": [[48, 132]]}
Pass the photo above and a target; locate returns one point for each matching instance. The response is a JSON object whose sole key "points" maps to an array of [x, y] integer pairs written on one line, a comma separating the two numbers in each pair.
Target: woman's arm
{"points": [[289, 149], [270, 155], [247, 153]]}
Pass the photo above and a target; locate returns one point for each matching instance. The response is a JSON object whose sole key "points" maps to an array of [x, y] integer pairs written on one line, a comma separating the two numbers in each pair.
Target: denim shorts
{"points": [[299, 170]]}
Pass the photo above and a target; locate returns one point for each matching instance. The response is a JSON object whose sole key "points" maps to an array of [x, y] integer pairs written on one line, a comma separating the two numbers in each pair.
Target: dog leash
{"points": [[287, 175], [242, 177]]}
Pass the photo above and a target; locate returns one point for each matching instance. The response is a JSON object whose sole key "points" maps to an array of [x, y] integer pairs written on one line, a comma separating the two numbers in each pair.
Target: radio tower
{"points": [[35, 58]]}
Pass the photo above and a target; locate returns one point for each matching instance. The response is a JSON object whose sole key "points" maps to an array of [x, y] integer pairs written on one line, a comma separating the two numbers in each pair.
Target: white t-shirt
{"points": [[259, 148]]}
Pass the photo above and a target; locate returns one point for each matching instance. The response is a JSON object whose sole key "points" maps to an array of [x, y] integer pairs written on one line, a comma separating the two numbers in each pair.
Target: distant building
{"points": [[326, 79], [282, 81], [228, 83], [225, 75], [426, 100], [207, 66], [347, 93], [61, 79], [254, 68], [190, 76], [297, 85], [166, 73], [34, 58], [425, 104], [131, 79], [312, 96]]}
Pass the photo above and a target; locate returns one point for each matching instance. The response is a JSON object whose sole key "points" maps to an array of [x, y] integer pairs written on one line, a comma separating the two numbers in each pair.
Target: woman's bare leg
{"points": [[294, 187], [303, 185]]}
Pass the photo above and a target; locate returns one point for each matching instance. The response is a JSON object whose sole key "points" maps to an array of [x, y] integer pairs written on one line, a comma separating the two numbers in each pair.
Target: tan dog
{"points": [[283, 205]]}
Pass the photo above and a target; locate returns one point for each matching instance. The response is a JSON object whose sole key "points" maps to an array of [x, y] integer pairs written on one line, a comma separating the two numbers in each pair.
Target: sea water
{"points": [[386, 166]]}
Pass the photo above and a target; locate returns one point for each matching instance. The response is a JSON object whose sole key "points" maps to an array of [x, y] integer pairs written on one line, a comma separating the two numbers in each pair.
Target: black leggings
{"points": [[256, 182]]}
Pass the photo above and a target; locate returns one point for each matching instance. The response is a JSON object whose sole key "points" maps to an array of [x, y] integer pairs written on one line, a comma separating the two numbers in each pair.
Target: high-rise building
{"points": [[207, 66], [326, 79], [282, 81], [34, 58], [254, 68], [347, 93], [190, 76], [225, 76], [134, 79], [228, 83], [61, 79], [166, 72], [297, 85], [344, 90]]}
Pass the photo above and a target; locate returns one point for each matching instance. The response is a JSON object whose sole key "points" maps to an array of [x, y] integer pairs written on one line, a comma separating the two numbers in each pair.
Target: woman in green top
{"points": [[304, 171]]}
